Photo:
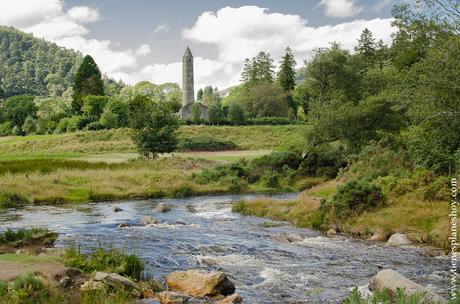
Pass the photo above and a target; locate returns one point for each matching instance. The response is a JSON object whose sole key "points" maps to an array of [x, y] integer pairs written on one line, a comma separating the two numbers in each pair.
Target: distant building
{"points": [[188, 90]]}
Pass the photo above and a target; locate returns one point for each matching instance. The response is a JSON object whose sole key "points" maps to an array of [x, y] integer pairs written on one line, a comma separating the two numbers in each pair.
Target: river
{"points": [[202, 232]]}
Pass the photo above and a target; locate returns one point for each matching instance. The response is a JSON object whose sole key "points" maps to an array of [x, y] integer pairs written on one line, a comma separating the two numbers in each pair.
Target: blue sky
{"points": [[144, 40]]}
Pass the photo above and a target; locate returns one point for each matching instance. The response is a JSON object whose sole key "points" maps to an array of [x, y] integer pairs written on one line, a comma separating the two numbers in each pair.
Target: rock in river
{"points": [[391, 280], [162, 207], [148, 220], [233, 299], [171, 297], [113, 279], [199, 283], [398, 239]]}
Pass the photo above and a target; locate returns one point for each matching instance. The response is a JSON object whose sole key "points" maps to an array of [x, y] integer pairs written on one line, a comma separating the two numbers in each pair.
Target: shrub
{"points": [[183, 191], [3, 288], [276, 161], [324, 160], [30, 289], [12, 200], [272, 180], [205, 144], [237, 185], [355, 197]]}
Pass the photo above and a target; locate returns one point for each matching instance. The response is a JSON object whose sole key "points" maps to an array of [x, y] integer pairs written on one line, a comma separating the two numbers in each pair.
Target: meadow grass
{"points": [[84, 143]]}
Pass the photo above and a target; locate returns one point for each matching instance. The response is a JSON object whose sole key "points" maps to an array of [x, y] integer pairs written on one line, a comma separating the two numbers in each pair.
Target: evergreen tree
{"points": [[88, 81], [258, 69], [286, 74], [199, 95], [286, 77], [366, 46]]}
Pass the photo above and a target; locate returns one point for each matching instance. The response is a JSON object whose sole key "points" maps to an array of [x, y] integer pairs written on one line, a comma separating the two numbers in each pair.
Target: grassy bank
{"points": [[117, 141], [423, 220]]}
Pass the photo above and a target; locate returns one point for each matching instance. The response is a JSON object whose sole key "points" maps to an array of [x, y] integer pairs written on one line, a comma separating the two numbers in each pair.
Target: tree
{"points": [[93, 106], [154, 126], [88, 81], [258, 69], [120, 108], [266, 99], [236, 114], [17, 108], [332, 75], [196, 113], [109, 119], [215, 112], [286, 77], [366, 47], [29, 125], [199, 95]]}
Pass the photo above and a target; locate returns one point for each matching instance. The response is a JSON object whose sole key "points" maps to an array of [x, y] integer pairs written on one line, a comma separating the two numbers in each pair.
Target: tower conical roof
{"points": [[188, 53]]}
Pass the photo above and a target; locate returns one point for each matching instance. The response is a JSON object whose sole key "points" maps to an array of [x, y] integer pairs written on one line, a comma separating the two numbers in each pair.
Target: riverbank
{"points": [[423, 221]]}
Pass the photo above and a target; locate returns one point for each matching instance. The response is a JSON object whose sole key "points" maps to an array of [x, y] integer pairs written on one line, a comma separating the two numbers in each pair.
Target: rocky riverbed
{"points": [[269, 262]]}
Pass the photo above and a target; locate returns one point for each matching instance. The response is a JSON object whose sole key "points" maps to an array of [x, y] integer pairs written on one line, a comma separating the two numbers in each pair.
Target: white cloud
{"points": [[84, 14], [25, 13], [143, 50], [161, 28], [236, 34], [340, 8], [240, 33], [48, 19]]}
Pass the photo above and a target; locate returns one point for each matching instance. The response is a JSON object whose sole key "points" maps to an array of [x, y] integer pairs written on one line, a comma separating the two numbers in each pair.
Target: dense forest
{"points": [[34, 66]]}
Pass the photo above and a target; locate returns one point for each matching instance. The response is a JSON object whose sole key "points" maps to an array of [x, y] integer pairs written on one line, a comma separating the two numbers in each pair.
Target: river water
{"points": [[202, 232]]}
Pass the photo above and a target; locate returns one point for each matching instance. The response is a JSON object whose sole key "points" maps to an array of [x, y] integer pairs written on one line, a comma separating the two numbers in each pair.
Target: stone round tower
{"points": [[188, 92]]}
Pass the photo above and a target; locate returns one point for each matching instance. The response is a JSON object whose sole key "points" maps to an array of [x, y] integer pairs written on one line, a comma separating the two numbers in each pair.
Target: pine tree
{"points": [[257, 69], [199, 95], [286, 74], [286, 77], [366, 46], [88, 81]]}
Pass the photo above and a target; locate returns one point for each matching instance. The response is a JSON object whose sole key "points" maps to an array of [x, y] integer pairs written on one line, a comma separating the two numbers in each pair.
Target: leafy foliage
{"points": [[153, 126]]}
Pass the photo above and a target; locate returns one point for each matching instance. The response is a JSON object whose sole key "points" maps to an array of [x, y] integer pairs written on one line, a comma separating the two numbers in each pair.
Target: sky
{"points": [[145, 39]]}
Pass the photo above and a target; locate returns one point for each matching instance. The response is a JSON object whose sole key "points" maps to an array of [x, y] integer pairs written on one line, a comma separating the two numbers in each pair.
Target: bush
{"points": [[12, 200], [109, 260], [324, 160], [205, 144], [276, 161], [355, 197], [3, 288]]}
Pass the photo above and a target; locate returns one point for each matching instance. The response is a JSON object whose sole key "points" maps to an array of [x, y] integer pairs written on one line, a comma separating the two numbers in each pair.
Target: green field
{"points": [[117, 142], [104, 165]]}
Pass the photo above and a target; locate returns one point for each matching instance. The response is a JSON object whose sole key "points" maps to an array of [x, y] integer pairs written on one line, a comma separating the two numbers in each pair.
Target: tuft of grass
{"points": [[21, 235], [383, 297], [109, 260], [296, 212], [10, 200]]}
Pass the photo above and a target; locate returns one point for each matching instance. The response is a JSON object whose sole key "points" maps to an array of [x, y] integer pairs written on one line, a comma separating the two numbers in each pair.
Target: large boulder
{"points": [[392, 280], [398, 239], [114, 279], [170, 297], [199, 283], [162, 207]]}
